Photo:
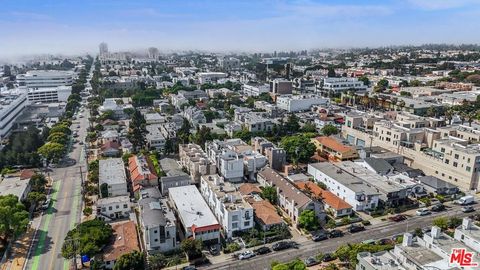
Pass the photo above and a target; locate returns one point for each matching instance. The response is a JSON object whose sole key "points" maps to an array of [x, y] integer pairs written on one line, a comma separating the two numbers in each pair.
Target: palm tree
{"points": [[401, 104], [365, 100], [449, 115]]}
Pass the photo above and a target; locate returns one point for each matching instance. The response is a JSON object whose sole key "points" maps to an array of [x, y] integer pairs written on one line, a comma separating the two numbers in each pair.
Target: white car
{"points": [[246, 255], [423, 212]]}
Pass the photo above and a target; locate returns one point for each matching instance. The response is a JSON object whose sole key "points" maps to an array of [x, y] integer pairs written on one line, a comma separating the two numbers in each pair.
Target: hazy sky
{"points": [[67, 26]]}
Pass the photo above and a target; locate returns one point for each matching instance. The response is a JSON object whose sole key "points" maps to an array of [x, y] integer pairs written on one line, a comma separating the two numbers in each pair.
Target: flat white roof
{"points": [[191, 207]]}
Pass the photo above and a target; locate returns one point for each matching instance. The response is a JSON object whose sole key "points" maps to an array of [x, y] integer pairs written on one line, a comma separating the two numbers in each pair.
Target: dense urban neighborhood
{"points": [[337, 159]]}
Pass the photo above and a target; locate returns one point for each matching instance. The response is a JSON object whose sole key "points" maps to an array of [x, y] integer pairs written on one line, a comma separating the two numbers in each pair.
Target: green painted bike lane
{"points": [[44, 228]]}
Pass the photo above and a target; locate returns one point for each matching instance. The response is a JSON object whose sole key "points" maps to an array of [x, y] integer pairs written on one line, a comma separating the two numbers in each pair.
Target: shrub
{"points": [[232, 247], [87, 211]]}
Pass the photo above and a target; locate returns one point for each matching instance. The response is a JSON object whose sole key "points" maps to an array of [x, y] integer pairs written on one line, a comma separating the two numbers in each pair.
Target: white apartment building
{"points": [[45, 78], [210, 77], [229, 63], [195, 160], [11, 107], [111, 208], [360, 195], [254, 121], [197, 220], [255, 90], [112, 173], [183, 96], [157, 222], [291, 103], [338, 85], [155, 138], [49, 94], [233, 213]]}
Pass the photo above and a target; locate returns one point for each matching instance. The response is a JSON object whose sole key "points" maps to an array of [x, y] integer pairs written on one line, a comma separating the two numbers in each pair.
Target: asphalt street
{"points": [[64, 211], [310, 248]]}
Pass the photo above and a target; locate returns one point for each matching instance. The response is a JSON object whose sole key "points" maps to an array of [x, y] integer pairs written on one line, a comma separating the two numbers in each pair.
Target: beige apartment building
{"points": [[450, 153], [195, 161]]}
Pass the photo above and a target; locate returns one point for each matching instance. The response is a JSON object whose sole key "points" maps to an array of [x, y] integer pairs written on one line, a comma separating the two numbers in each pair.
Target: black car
{"points": [[262, 250], [335, 233], [356, 228], [319, 236], [437, 208], [213, 250], [328, 257], [281, 245]]}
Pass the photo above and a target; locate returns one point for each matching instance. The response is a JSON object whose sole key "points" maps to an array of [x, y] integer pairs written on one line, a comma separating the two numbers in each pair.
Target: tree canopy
{"points": [[137, 131], [298, 148], [87, 238], [329, 129], [13, 217], [308, 220], [269, 193], [130, 261]]}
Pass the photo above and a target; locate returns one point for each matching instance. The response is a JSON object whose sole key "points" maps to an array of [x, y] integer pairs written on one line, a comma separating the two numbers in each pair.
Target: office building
{"points": [[291, 103], [49, 94], [45, 78], [338, 85], [11, 107]]}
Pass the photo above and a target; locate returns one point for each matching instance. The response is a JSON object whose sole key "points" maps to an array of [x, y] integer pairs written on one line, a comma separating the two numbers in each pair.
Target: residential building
{"points": [[195, 161], [175, 177], [229, 63], [377, 165], [197, 220], [194, 116], [13, 185], [154, 118], [254, 122], [281, 86], [157, 222], [337, 206], [266, 215], [232, 212], [49, 94], [142, 172], [155, 138], [111, 104], [125, 241], [297, 103], [215, 93], [469, 234], [184, 96], [45, 78], [210, 77], [11, 107], [112, 175], [110, 149], [334, 150], [254, 89], [112, 208], [290, 198], [277, 157], [338, 85], [438, 186], [345, 185]]}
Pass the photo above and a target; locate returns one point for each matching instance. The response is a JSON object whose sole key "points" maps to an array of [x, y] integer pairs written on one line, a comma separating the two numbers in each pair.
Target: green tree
{"points": [[13, 218], [58, 137], [192, 247], [52, 152], [381, 85], [441, 222], [87, 238], [157, 261], [308, 220], [137, 131], [62, 128], [309, 128], [38, 182], [331, 72], [270, 193], [202, 135], [365, 80], [292, 125], [130, 261], [35, 198], [184, 132], [329, 129], [104, 190], [298, 148]]}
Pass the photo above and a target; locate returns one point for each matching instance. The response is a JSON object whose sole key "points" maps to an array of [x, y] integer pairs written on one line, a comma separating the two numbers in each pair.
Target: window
{"points": [[246, 223], [110, 208], [468, 168], [447, 161], [456, 156], [117, 206], [125, 206], [155, 231], [156, 240], [455, 164]]}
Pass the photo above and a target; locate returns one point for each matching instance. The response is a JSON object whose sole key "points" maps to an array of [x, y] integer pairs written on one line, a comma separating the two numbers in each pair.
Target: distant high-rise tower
{"points": [[103, 48], [153, 53]]}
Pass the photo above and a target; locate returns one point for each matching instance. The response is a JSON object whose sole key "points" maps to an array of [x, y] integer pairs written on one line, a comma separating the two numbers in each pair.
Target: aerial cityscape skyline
{"points": [[32, 27]]}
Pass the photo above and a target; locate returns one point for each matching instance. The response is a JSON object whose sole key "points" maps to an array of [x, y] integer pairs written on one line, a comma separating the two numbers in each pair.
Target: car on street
{"points": [[45, 204], [246, 255], [262, 250], [468, 209], [423, 212], [328, 257], [397, 218], [281, 245], [437, 208], [311, 261], [319, 236], [335, 233], [355, 228]]}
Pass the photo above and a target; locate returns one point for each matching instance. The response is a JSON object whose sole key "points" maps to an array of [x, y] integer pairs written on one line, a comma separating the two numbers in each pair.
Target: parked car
{"points": [[213, 250], [320, 236], [437, 208], [468, 209], [423, 212], [328, 257], [45, 204], [465, 200], [335, 233], [398, 218], [246, 255], [356, 228], [262, 250], [281, 245], [311, 261], [190, 267]]}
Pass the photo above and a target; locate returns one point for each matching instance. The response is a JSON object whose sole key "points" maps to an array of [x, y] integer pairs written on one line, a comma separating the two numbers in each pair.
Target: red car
{"points": [[398, 218]]}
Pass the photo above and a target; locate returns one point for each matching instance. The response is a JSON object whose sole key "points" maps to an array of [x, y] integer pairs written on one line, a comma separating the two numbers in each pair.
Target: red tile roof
{"points": [[333, 144], [248, 188], [140, 169], [266, 212], [328, 197], [126, 240], [110, 145], [26, 174]]}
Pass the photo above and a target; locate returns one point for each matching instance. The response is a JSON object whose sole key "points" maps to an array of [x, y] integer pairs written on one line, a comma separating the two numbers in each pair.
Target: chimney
{"points": [[466, 224], [407, 240], [436, 232]]}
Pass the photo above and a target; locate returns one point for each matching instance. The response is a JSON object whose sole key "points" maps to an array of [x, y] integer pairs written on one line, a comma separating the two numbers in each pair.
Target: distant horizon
{"points": [[73, 28]]}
